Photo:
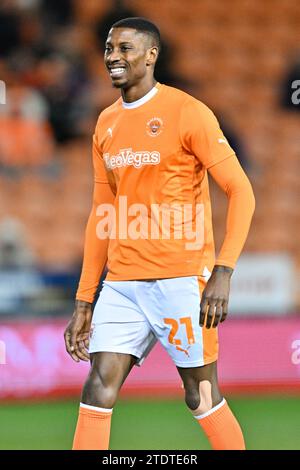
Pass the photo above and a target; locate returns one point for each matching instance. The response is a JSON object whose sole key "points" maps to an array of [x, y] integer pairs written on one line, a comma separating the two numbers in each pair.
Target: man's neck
{"points": [[137, 92]]}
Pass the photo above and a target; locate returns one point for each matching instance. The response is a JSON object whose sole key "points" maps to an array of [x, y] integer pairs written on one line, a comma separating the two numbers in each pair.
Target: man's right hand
{"points": [[78, 330]]}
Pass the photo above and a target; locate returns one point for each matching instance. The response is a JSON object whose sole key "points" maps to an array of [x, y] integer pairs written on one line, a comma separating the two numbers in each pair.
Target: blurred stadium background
{"points": [[241, 58]]}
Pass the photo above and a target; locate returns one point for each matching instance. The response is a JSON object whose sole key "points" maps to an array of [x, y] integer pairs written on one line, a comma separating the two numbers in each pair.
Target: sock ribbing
{"points": [[93, 428], [222, 429]]}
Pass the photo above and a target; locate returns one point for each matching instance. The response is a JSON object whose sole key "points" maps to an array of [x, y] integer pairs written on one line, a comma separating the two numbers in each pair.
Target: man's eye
{"points": [[125, 48]]}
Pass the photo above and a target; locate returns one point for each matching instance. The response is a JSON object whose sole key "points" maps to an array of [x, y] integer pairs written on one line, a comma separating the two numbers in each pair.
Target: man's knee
{"points": [[200, 397], [107, 374], [100, 389]]}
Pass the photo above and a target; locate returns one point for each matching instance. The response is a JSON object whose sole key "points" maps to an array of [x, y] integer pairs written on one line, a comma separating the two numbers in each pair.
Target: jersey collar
{"points": [[141, 101]]}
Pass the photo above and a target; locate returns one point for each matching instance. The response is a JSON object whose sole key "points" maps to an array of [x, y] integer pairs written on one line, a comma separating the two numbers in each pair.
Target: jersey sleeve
{"points": [[232, 179], [100, 174], [201, 135], [95, 248]]}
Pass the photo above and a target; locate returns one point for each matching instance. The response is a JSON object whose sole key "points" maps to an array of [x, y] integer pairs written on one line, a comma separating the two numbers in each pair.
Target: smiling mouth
{"points": [[117, 72]]}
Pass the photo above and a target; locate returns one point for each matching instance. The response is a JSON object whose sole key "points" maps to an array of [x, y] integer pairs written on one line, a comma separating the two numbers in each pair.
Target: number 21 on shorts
{"points": [[175, 325]]}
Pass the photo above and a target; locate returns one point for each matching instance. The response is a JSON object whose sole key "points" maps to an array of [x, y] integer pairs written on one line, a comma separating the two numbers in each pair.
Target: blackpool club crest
{"points": [[154, 126]]}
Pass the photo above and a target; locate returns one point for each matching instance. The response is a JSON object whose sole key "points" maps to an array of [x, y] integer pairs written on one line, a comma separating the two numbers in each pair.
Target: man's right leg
{"points": [[107, 374], [120, 337]]}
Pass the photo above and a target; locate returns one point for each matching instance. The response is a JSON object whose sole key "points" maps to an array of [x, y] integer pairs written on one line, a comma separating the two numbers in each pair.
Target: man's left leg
{"points": [[203, 398], [172, 307]]}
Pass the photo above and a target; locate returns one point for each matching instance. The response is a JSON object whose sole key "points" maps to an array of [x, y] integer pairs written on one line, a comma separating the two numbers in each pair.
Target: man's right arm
{"points": [[94, 260]]}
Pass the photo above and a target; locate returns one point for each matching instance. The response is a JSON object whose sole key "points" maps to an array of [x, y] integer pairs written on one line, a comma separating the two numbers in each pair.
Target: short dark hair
{"points": [[141, 24]]}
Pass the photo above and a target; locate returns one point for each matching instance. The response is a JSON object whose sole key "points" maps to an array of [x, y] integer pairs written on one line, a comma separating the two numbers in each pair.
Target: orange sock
{"points": [[221, 428], [93, 428]]}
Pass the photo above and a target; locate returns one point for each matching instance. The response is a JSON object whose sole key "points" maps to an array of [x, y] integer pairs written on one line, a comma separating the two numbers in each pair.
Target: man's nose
{"points": [[114, 56]]}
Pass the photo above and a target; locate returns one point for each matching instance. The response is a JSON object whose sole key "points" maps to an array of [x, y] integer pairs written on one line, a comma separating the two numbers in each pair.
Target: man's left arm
{"points": [[231, 178]]}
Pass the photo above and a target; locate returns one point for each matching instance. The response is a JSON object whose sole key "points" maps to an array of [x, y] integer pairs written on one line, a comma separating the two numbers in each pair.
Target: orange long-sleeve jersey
{"points": [[151, 216]]}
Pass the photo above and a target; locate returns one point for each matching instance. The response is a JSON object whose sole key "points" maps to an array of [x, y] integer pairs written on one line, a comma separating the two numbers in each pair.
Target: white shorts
{"points": [[130, 316]]}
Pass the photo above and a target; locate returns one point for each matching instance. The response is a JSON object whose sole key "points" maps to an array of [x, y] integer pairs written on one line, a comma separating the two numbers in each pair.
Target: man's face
{"points": [[127, 52]]}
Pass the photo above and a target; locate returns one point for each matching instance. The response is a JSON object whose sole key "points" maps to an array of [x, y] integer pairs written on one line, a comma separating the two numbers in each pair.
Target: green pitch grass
{"points": [[268, 423]]}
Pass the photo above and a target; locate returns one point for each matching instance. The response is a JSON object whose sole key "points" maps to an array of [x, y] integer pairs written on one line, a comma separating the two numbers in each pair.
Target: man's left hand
{"points": [[215, 297]]}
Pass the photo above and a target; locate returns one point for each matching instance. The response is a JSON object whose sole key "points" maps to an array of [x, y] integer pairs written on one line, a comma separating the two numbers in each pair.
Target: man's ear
{"points": [[152, 55]]}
